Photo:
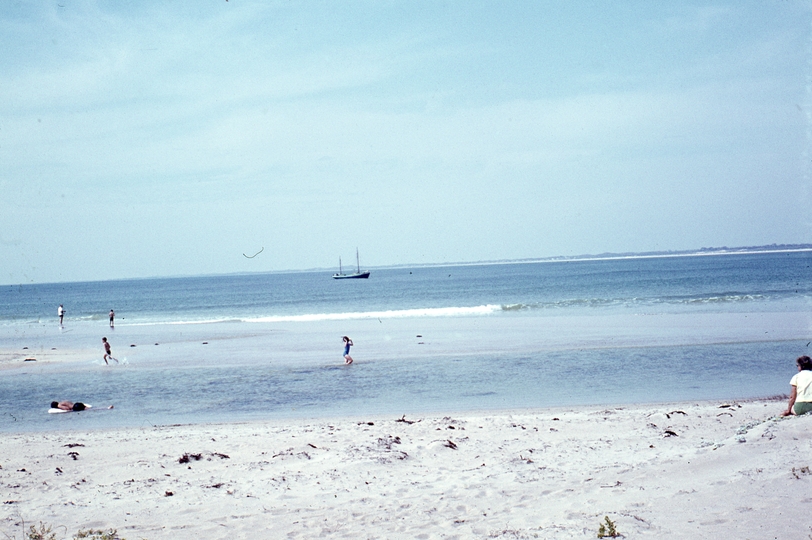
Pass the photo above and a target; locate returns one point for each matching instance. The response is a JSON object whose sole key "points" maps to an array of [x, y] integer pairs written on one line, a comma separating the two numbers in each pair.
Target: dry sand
{"points": [[687, 470]]}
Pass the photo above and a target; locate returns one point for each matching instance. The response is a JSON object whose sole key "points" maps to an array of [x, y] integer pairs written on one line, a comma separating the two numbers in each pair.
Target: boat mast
{"points": [[357, 262]]}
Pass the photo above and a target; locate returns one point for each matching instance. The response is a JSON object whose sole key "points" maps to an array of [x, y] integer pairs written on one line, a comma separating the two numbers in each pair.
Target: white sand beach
{"points": [[679, 470]]}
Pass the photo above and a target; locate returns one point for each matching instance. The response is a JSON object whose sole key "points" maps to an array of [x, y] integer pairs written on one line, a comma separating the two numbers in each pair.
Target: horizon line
{"points": [[705, 251]]}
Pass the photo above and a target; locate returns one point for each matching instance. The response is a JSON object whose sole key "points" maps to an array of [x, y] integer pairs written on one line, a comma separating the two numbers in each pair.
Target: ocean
{"points": [[427, 339]]}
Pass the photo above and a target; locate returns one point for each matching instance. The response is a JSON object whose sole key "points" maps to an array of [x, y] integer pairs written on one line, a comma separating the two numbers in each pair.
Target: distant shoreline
{"points": [[703, 252], [746, 250]]}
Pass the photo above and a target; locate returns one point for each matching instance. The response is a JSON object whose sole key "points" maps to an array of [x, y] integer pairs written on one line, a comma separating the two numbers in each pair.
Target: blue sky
{"points": [[144, 139]]}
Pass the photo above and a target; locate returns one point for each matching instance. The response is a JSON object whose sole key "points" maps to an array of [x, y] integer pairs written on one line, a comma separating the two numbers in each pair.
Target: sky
{"points": [[143, 139]]}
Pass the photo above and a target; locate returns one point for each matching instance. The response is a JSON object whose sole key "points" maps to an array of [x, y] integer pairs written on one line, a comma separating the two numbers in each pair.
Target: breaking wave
{"points": [[480, 310], [586, 303], [387, 314]]}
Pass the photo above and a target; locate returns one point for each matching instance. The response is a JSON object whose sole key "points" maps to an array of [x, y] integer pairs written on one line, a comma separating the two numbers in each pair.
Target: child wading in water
{"points": [[347, 344], [107, 352]]}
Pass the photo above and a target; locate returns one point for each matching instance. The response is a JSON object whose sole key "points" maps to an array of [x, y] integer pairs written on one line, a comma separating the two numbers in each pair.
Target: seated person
{"points": [[800, 398]]}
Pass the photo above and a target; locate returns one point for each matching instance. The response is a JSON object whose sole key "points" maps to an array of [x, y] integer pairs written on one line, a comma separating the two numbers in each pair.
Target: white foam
{"points": [[388, 314]]}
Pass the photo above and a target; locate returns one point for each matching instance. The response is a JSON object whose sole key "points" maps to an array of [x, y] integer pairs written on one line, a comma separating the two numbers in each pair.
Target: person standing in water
{"points": [[112, 316], [60, 312], [347, 344]]}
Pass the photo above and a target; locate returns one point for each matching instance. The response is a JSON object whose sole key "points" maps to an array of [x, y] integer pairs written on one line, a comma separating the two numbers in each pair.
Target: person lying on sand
{"points": [[70, 406]]}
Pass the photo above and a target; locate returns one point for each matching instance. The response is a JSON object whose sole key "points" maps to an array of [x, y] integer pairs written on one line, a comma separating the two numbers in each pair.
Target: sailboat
{"points": [[357, 275]]}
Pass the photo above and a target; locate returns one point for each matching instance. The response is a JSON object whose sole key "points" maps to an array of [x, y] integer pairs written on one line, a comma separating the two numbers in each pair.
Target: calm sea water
{"points": [[726, 283], [242, 376]]}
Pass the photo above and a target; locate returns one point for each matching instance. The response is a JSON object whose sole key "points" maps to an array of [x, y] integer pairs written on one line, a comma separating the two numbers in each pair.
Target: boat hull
{"points": [[359, 275]]}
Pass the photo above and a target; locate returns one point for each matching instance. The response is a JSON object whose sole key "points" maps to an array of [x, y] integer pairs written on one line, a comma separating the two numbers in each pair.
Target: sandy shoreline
{"points": [[398, 338], [681, 470]]}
